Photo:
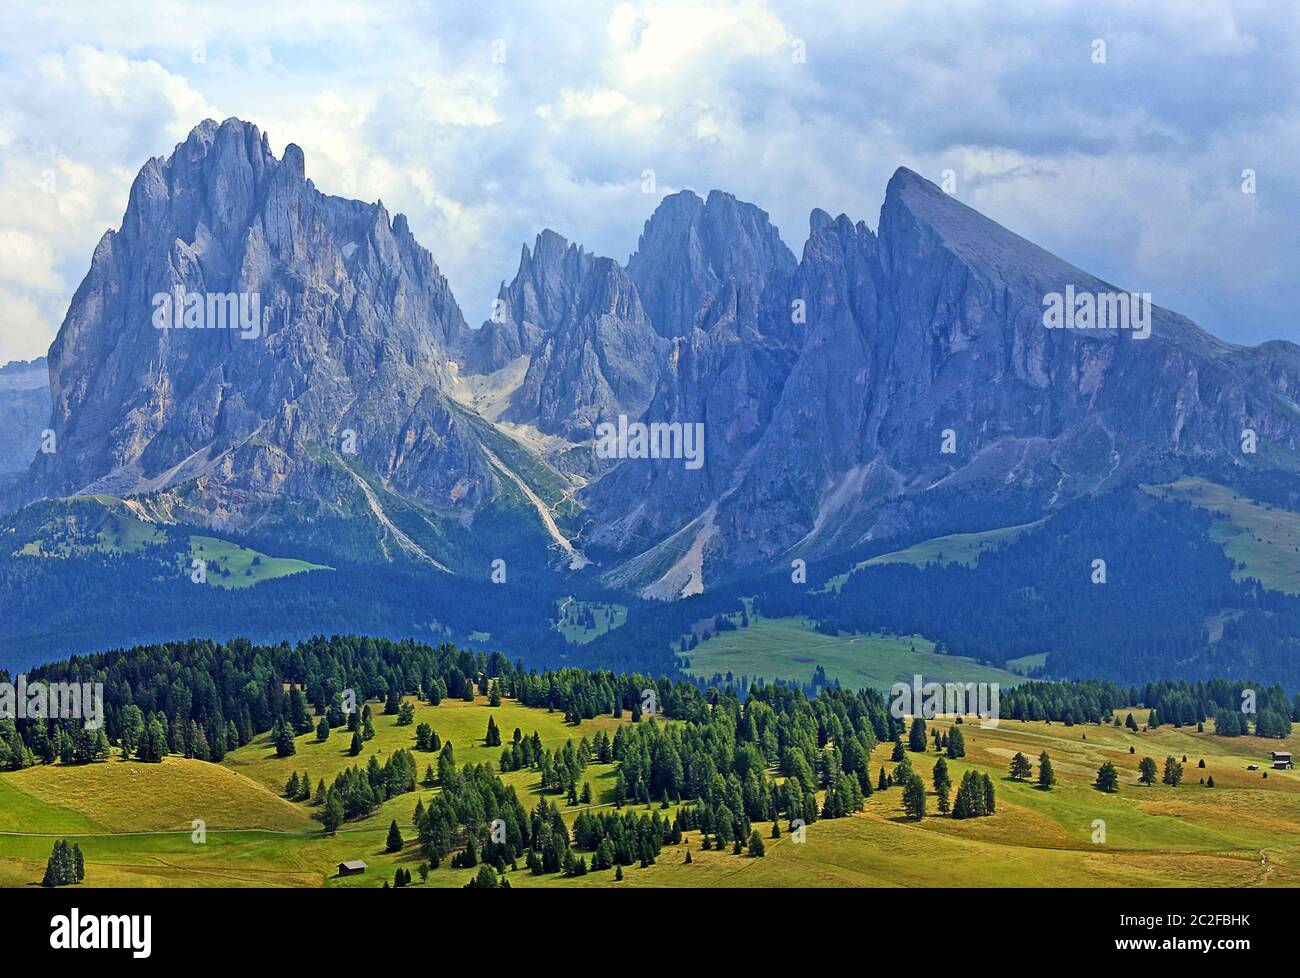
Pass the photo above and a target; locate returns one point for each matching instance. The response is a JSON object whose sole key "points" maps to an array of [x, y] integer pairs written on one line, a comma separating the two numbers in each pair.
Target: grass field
{"points": [[246, 567], [607, 616], [955, 548], [95, 523], [1263, 539], [133, 821], [103, 524], [790, 649]]}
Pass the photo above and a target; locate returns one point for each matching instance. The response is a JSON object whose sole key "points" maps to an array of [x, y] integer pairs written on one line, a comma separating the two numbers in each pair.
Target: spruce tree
{"points": [[394, 843], [284, 742], [1108, 778], [1046, 776], [1173, 775], [1021, 769], [914, 797], [916, 741], [941, 778], [956, 743], [57, 869], [331, 816], [1147, 771]]}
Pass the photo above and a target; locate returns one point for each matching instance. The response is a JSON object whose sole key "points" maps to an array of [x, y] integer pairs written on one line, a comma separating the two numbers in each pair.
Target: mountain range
{"points": [[892, 384]]}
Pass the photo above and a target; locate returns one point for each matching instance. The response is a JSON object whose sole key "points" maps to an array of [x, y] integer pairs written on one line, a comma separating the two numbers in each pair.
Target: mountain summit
{"points": [[884, 382]]}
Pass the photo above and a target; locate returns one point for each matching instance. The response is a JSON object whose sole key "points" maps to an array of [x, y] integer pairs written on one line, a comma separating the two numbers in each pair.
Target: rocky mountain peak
{"points": [[691, 247], [296, 316]]}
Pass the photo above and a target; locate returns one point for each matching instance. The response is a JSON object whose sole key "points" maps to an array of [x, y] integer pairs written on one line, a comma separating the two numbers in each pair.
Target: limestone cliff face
{"points": [[932, 326], [881, 374], [354, 326]]}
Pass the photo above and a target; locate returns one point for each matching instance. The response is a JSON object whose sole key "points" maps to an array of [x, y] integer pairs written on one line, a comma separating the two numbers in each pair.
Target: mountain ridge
{"points": [[827, 384]]}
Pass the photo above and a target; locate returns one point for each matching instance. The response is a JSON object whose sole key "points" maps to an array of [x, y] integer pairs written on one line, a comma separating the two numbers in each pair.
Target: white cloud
{"points": [[1126, 169]]}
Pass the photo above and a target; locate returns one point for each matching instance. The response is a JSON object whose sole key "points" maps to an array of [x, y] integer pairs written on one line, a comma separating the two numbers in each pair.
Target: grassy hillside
{"points": [[105, 525], [233, 566], [605, 615], [790, 649], [954, 548], [1243, 832], [1263, 540]]}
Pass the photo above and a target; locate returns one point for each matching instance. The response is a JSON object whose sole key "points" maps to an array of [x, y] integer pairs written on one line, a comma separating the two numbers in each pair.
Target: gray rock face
{"points": [[24, 412], [702, 262], [714, 276], [937, 325], [356, 325], [594, 354], [534, 304], [828, 388], [601, 359]]}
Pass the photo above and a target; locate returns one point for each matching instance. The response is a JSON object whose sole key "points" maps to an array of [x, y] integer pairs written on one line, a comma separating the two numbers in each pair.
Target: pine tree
{"points": [[956, 743], [940, 775], [357, 743], [916, 741], [1173, 775], [1021, 769], [1108, 778], [394, 843], [1147, 771], [756, 848], [332, 815], [57, 867], [1046, 776], [284, 742], [914, 797]]}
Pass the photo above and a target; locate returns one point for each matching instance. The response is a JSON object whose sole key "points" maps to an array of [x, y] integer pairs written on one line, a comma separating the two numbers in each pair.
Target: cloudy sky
{"points": [[485, 122]]}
